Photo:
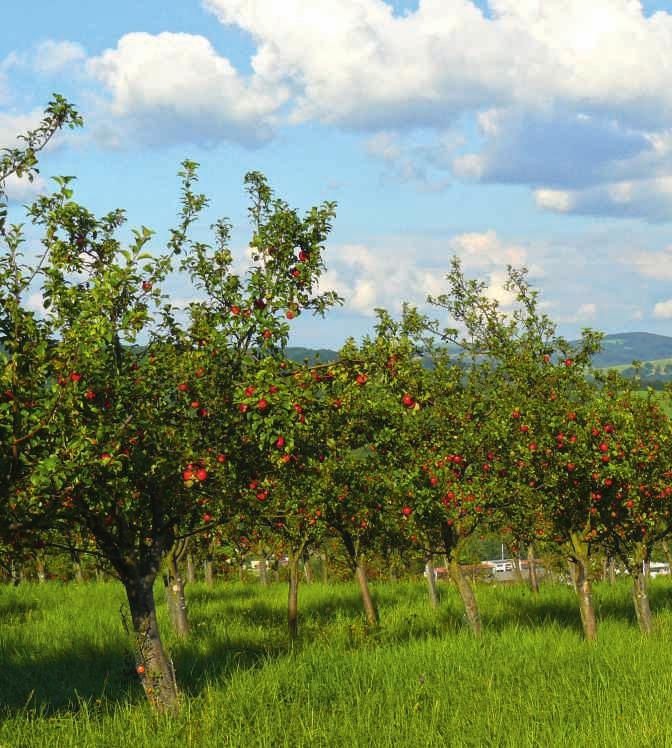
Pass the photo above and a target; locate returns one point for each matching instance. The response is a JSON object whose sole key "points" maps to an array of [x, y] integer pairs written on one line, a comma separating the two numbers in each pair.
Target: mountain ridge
{"points": [[619, 350]]}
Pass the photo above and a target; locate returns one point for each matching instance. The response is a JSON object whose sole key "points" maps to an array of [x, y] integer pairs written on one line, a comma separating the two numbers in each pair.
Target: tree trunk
{"points": [[308, 572], [532, 569], [325, 568], [431, 583], [293, 597], [241, 571], [175, 598], [16, 573], [572, 574], [263, 572], [641, 600], [152, 664], [207, 571], [370, 609], [467, 595], [359, 569], [77, 571], [191, 571], [585, 592], [40, 568], [612, 570], [516, 568]]}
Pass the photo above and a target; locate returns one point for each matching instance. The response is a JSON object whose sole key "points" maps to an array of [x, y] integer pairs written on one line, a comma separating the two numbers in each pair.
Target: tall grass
{"points": [[420, 680]]}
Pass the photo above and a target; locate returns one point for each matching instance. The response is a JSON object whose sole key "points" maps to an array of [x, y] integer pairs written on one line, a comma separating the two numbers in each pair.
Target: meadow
{"points": [[421, 679]]}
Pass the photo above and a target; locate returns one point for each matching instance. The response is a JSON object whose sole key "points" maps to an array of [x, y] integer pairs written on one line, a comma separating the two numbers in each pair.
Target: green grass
{"points": [[422, 680]]}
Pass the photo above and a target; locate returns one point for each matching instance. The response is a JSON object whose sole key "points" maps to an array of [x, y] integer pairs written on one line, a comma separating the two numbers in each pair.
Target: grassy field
{"points": [[421, 680]]}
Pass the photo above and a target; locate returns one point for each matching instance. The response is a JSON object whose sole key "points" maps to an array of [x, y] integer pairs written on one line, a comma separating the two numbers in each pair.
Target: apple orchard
{"points": [[144, 437]]}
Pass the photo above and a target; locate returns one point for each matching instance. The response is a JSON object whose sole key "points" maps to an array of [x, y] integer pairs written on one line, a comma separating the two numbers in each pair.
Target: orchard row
{"points": [[131, 428]]}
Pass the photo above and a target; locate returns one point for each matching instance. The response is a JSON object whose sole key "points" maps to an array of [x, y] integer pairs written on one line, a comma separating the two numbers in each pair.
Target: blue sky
{"points": [[508, 131]]}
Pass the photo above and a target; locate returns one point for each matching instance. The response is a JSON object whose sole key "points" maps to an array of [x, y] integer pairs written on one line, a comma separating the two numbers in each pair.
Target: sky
{"points": [[521, 132]]}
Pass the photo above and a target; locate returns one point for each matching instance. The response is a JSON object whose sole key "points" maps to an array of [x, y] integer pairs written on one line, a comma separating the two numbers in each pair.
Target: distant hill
{"points": [[298, 354], [622, 349], [618, 352]]}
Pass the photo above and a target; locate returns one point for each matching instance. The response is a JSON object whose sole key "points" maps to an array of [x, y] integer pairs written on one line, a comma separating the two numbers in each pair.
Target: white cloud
{"points": [[663, 310], [559, 201], [355, 63], [12, 125], [35, 302], [569, 95], [648, 198], [20, 190], [170, 87], [54, 57], [656, 265], [388, 271]]}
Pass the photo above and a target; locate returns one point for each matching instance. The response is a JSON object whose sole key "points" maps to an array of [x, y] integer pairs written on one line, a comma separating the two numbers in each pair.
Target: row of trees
{"points": [[130, 428]]}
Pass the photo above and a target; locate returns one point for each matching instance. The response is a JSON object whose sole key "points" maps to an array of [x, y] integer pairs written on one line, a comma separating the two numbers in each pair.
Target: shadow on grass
{"points": [[58, 682], [53, 683], [13, 611]]}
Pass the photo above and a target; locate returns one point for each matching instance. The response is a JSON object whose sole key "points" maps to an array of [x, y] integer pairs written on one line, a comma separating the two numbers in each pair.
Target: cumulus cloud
{"points": [[385, 272], [556, 150], [647, 198], [56, 56], [12, 125], [173, 87], [663, 310], [572, 98], [20, 190], [583, 313], [356, 63], [655, 265]]}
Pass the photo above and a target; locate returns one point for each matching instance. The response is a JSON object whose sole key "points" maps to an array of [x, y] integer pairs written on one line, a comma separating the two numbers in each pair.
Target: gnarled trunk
{"points": [[467, 595], [640, 598], [207, 571], [583, 587], [174, 585], [191, 571], [532, 569], [293, 596], [370, 609], [359, 569], [451, 543], [263, 572], [152, 663], [431, 583]]}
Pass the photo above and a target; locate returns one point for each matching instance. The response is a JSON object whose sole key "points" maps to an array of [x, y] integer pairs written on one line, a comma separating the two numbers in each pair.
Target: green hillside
{"points": [[299, 354], [622, 349]]}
